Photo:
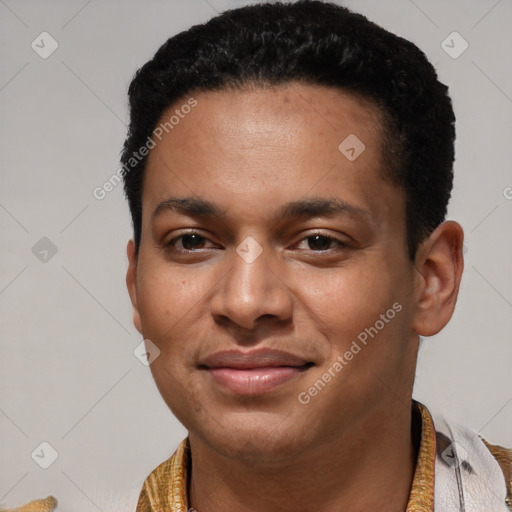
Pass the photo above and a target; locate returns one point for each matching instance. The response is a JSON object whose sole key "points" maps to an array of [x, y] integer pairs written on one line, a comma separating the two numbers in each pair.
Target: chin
{"points": [[256, 440]]}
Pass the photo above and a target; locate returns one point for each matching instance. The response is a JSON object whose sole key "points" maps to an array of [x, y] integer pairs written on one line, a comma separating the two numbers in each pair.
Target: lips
{"points": [[254, 372]]}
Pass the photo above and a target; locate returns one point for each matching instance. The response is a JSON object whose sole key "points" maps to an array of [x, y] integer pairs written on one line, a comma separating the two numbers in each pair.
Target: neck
{"points": [[369, 468]]}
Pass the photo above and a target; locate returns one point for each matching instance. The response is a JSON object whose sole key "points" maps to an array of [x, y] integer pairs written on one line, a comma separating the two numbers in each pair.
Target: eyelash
{"points": [[169, 245]]}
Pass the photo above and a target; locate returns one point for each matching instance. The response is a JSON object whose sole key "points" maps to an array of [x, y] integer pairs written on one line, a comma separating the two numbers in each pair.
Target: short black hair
{"points": [[317, 43]]}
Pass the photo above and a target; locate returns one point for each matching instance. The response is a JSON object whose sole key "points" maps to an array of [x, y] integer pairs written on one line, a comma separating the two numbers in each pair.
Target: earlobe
{"points": [[439, 264], [131, 283]]}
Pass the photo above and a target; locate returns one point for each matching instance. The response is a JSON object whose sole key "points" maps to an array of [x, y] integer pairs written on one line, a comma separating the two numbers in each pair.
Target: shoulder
{"points": [[503, 457], [487, 467]]}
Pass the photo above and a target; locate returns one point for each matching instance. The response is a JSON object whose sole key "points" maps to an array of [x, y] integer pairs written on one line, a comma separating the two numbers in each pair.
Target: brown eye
{"points": [[319, 242], [188, 242], [191, 241]]}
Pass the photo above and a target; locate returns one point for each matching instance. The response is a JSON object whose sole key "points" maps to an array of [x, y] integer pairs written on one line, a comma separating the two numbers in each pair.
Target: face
{"points": [[273, 273]]}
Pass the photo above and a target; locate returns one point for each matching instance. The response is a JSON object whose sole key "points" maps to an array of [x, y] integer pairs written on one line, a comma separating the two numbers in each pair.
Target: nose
{"points": [[252, 293]]}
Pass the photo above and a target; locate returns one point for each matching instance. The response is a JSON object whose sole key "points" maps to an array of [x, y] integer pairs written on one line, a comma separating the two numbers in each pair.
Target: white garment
{"points": [[467, 477]]}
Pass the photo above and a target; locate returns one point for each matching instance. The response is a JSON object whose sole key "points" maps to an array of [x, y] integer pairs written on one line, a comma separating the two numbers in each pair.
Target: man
{"points": [[288, 169]]}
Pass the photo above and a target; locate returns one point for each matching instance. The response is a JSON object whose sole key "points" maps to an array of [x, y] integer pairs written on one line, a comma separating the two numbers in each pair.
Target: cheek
{"points": [[172, 315], [347, 300], [362, 313], [167, 295]]}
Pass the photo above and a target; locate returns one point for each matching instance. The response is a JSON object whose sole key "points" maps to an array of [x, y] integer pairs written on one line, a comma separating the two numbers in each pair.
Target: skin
{"points": [[250, 152]]}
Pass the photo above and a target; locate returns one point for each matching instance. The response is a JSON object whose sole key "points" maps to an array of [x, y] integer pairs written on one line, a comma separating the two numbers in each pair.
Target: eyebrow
{"points": [[310, 207]]}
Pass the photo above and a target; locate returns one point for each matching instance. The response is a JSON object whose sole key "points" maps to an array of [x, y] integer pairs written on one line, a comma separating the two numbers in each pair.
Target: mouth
{"points": [[255, 372]]}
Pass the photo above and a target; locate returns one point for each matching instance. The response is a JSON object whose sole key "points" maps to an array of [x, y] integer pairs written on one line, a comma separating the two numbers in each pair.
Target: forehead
{"points": [[293, 110], [267, 146]]}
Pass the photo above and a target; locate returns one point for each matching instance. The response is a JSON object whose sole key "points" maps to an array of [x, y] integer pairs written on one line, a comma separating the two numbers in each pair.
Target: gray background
{"points": [[68, 375]]}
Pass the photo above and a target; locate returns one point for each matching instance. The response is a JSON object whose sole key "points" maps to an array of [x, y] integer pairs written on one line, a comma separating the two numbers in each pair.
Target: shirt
{"points": [[166, 488]]}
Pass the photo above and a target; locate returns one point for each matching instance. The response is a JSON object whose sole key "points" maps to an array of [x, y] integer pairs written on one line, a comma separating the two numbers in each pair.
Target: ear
{"points": [[439, 263], [131, 283]]}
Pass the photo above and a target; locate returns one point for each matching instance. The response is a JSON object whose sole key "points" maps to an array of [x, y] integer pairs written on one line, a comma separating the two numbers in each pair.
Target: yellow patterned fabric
{"points": [[504, 458], [43, 505], [421, 498], [166, 488]]}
